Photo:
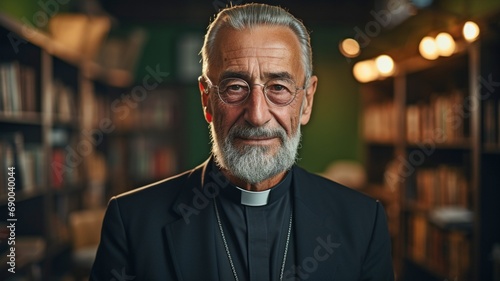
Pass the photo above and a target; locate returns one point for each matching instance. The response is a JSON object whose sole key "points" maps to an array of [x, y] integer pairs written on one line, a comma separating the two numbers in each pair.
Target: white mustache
{"points": [[257, 132]]}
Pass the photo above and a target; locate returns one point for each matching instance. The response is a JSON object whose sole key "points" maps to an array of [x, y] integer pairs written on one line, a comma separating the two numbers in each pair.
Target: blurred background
{"points": [[100, 97]]}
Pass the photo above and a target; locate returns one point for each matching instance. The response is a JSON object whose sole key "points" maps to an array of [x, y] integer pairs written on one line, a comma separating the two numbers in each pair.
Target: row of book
{"points": [[443, 185], [380, 122], [443, 119], [143, 158], [64, 103], [18, 93], [151, 159], [65, 167], [28, 161], [156, 109], [445, 252], [18, 89], [491, 121]]}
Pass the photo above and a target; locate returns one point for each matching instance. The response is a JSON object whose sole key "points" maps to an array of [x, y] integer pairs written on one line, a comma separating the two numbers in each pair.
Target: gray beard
{"points": [[253, 163]]}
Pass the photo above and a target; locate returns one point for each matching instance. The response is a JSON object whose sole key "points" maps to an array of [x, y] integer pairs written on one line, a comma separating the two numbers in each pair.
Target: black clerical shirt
{"points": [[256, 235]]}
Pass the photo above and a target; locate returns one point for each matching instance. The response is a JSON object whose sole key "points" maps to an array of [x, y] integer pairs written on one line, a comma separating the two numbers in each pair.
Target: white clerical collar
{"points": [[254, 198], [244, 197]]}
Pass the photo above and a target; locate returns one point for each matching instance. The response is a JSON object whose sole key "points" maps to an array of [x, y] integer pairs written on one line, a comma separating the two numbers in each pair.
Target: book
{"points": [[443, 185], [64, 106], [379, 122], [446, 252], [443, 119], [18, 92]]}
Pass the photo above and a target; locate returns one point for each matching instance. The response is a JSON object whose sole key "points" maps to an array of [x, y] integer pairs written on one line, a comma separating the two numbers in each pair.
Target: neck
{"points": [[261, 186]]}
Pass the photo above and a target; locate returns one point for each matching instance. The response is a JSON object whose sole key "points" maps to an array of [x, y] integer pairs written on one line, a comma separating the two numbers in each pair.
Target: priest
{"points": [[249, 212]]}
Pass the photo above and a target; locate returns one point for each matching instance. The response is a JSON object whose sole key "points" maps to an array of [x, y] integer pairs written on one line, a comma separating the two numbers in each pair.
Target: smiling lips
{"points": [[263, 140], [259, 136]]}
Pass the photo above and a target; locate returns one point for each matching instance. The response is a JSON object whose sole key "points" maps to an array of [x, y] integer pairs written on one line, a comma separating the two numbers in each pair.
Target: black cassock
{"points": [[256, 226]]}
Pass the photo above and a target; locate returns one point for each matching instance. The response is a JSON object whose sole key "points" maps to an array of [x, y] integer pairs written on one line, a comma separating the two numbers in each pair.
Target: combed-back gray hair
{"points": [[250, 15]]}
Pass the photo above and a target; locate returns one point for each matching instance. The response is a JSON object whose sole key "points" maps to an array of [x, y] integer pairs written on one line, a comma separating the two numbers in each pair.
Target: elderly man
{"points": [[248, 213]]}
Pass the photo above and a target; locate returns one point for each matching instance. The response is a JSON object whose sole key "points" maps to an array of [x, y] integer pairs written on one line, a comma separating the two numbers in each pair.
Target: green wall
{"points": [[161, 48], [332, 133]]}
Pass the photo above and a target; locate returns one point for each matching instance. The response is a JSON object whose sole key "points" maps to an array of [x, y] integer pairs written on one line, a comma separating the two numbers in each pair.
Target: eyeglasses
{"points": [[234, 91]]}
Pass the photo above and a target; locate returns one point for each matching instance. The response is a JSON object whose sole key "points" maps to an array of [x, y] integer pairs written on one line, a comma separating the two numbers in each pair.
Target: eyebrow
{"points": [[246, 77]]}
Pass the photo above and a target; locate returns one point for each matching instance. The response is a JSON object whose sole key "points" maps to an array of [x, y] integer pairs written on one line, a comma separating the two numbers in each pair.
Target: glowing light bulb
{"points": [[428, 48], [349, 48], [445, 44], [385, 65], [365, 71], [470, 31]]}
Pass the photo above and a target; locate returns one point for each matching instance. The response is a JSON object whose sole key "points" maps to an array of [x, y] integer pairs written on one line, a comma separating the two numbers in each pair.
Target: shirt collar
{"points": [[257, 198]]}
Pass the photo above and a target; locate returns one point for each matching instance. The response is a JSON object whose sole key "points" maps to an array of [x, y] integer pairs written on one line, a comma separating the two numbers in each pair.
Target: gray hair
{"points": [[250, 15]]}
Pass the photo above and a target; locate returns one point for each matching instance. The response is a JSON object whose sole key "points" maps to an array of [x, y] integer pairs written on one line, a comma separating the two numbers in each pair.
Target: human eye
{"points": [[279, 87], [234, 90], [233, 86], [280, 91]]}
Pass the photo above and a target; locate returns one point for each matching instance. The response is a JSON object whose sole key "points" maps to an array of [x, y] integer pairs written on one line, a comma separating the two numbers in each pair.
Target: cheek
{"points": [[223, 119], [293, 114], [295, 121], [288, 121]]}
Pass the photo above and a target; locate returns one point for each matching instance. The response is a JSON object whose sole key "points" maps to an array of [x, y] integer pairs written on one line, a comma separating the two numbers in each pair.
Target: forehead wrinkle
{"points": [[259, 57], [246, 76], [254, 57], [269, 52]]}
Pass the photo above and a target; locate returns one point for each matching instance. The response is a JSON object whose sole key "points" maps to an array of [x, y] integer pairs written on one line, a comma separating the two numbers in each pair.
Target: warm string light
{"points": [[470, 31], [349, 48], [444, 45], [365, 71], [385, 65], [373, 69], [430, 48]]}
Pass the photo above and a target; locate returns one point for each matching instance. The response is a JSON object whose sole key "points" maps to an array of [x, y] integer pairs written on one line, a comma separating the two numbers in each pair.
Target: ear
{"points": [[205, 99], [309, 98]]}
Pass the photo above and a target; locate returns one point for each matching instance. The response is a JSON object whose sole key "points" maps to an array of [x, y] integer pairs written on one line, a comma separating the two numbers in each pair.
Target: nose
{"points": [[256, 108]]}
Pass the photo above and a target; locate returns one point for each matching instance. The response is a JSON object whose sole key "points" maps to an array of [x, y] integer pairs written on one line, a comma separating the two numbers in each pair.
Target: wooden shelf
{"points": [[45, 139], [378, 142], [456, 171], [26, 118], [459, 145], [491, 149]]}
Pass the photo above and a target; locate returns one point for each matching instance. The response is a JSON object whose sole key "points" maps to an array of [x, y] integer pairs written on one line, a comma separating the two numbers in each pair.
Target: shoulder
{"points": [[338, 206], [161, 189], [315, 184], [324, 195], [158, 197]]}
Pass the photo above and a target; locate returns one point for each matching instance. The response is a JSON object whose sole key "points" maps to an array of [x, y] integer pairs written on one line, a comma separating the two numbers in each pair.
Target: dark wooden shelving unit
{"points": [[45, 91], [418, 169]]}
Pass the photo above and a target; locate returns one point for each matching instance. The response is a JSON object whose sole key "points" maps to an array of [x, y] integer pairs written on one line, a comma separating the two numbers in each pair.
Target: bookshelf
{"points": [[143, 143], [431, 146], [46, 94]]}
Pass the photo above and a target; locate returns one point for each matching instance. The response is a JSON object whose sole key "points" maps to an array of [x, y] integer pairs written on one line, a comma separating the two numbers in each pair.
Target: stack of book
{"points": [[380, 122], [438, 186], [26, 158], [64, 105], [442, 120], [17, 89], [445, 252]]}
